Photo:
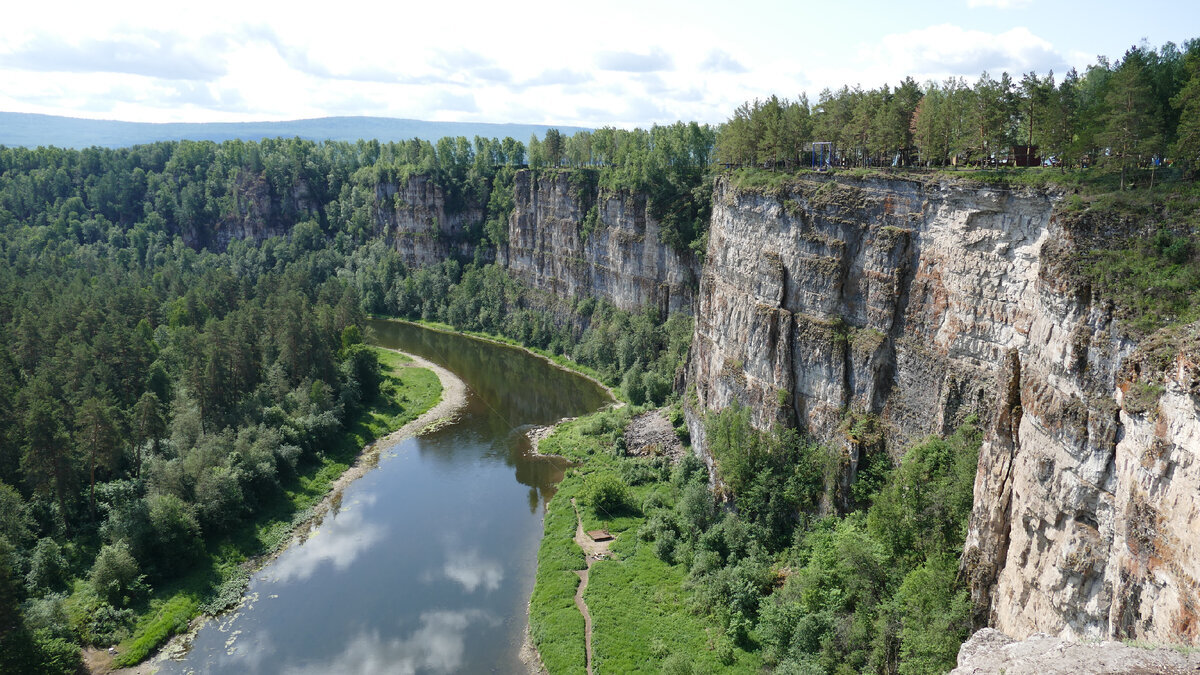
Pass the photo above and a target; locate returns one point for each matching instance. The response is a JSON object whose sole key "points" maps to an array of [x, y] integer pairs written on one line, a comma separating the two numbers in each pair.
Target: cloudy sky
{"points": [[570, 63]]}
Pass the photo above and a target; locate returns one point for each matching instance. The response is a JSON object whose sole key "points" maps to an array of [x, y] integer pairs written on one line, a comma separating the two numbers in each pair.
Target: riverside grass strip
{"points": [[644, 615]]}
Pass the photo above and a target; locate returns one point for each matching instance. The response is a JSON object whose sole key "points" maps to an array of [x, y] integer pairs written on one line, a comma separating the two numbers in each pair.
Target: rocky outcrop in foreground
{"points": [[990, 652]]}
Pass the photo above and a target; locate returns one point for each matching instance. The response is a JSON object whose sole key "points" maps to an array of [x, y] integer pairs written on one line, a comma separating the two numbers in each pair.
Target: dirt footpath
{"points": [[594, 550]]}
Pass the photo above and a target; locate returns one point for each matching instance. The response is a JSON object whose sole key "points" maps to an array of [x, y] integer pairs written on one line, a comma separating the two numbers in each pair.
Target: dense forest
{"points": [[152, 396], [875, 590], [781, 567], [1142, 107]]}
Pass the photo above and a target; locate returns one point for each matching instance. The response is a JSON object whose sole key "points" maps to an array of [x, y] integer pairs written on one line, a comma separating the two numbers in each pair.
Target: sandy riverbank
{"points": [[454, 398]]}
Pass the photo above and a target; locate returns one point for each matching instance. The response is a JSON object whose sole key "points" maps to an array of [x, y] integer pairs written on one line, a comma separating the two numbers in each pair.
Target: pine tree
{"points": [[1187, 102], [1131, 124], [97, 434]]}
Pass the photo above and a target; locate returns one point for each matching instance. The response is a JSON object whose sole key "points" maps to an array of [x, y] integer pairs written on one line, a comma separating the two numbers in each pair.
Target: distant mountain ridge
{"points": [[33, 130]]}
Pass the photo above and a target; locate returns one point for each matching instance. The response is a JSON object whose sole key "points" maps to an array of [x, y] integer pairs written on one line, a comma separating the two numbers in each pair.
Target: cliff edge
{"points": [[921, 303]]}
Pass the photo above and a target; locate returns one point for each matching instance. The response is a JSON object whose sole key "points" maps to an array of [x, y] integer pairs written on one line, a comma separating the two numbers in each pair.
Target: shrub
{"points": [[690, 469], [58, 656], [935, 617], [606, 493], [115, 576], [47, 567], [176, 541], [219, 500], [49, 615], [641, 471], [633, 385], [657, 388], [665, 545], [696, 510], [656, 527], [363, 365], [677, 664]]}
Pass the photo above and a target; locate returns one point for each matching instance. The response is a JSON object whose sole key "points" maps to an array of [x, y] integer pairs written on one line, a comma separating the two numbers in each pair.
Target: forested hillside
{"points": [[31, 130], [159, 401]]}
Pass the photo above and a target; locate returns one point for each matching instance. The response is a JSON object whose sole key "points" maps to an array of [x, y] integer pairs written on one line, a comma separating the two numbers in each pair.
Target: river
{"points": [[427, 563]]}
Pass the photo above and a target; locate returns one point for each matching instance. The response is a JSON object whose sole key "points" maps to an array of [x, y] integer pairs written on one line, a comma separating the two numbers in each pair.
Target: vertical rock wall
{"points": [[414, 217], [926, 302], [255, 213], [621, 258]]}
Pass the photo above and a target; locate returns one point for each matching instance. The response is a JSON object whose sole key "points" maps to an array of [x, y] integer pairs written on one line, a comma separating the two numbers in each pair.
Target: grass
{"points": [[1091, 181], [642, 613], [642, 610], [1154, 281], [555, 624], [1185, 650], [219, 579], [171, 615]]}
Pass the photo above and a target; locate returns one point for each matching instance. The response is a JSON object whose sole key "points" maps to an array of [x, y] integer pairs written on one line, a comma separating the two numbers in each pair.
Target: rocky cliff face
{"points": [[564, 236], [925, 302], [413, 215], [616, 253], [255, 213]]}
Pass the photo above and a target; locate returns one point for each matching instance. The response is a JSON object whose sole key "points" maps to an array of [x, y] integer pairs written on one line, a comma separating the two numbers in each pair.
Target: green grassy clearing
{"points": [[643, 613]]}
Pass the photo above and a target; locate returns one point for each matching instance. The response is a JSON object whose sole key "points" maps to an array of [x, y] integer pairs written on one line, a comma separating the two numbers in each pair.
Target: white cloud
{"points": [[1000, 4], [719, 61], [151, 53], [953, 50], [935, 53], [635, 62], [457, 60]]}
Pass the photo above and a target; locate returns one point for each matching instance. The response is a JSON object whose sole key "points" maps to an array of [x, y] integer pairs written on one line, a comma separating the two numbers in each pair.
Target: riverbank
{"points": [[644, 616], [557, 360], [421, 395]]}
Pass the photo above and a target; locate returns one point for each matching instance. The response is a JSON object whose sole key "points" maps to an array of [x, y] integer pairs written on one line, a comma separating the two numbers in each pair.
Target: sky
{"points": [[615, 62]]}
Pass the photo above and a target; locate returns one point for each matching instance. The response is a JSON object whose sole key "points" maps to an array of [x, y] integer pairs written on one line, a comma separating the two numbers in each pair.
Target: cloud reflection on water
{"points": [[438, 646], [339, 542], [473, 571]]}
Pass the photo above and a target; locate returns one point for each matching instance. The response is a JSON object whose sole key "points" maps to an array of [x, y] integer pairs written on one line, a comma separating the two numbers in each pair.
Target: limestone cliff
{"points": [[614, 253], [925, 302], [414, 216], [254, 211]]}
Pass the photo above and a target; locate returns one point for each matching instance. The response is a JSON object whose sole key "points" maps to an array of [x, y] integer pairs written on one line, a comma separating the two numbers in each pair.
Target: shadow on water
{"points": [[427, 563]]}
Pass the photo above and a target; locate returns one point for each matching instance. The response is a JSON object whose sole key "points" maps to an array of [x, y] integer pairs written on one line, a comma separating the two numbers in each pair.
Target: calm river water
{"points": [[427, 565]]}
